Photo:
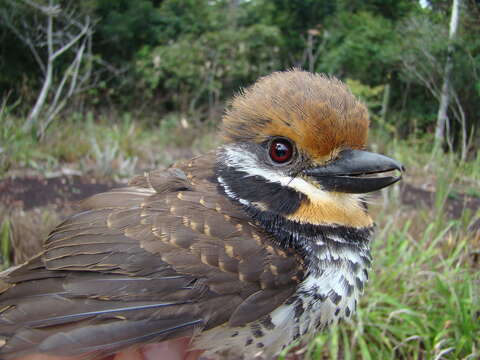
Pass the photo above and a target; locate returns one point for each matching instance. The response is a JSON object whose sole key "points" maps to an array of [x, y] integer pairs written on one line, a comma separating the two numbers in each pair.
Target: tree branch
{"points": [[85, 29]]}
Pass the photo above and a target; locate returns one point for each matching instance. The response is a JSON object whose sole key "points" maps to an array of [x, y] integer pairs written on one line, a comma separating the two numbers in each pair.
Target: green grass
{"points": [[102, 145], [5, 243]]}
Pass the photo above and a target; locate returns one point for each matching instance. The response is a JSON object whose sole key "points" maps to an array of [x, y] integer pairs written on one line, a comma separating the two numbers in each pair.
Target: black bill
{"points": [[352, 172]]}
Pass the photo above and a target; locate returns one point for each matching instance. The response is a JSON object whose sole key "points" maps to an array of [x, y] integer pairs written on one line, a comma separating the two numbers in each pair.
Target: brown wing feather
{"points": [[148, 262]]}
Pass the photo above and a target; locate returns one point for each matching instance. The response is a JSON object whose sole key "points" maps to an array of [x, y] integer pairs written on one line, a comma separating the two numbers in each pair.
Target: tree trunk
{"points": [[34, 114], [385, 101], [442, 116]]}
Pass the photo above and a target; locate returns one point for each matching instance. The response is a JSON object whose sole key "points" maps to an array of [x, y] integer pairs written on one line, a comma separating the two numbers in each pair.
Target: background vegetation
{"points": [[184, 58], [104, 89]]}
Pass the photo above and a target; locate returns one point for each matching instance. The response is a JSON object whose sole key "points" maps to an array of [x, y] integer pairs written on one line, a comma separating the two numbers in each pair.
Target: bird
{"points": [[245, 250]]}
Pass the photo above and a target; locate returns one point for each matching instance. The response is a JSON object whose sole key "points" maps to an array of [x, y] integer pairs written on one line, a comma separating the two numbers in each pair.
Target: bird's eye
{"points": [[281, 150]]}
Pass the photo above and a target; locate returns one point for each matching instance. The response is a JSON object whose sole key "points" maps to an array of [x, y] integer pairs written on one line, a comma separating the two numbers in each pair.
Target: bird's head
{"points": [[296, 149]]}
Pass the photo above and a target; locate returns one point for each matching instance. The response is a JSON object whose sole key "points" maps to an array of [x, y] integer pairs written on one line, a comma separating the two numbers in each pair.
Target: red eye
{"points": [[281, 150]]}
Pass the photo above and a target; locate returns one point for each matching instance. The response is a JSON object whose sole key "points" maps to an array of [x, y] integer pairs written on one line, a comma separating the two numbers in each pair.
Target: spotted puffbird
{"points": [[245, 249]]}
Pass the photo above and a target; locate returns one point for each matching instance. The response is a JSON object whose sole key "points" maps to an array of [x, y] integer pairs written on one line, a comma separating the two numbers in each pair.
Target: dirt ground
{"points": [[34, 205], [33, 192]]}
